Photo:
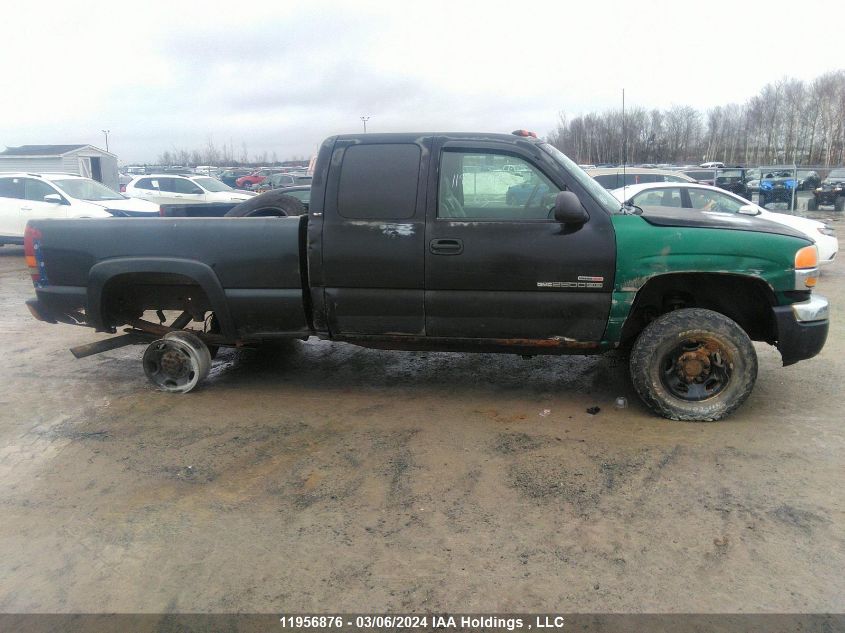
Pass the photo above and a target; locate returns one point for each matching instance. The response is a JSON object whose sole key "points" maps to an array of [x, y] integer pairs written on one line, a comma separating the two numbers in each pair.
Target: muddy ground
{"points": [[333, 478]]}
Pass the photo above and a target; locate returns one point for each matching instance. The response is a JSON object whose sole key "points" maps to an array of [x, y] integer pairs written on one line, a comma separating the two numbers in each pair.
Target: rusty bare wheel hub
{"points": [[696, 369], [693, 366], [173, 363]]}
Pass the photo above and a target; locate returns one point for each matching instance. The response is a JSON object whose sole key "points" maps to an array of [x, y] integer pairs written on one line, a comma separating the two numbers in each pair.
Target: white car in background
{"points": [[718, 201], [25, 197], [177, 189]]}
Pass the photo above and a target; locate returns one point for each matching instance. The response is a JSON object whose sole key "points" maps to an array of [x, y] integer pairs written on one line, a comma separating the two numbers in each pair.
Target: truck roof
{"points": [[411, 137]]}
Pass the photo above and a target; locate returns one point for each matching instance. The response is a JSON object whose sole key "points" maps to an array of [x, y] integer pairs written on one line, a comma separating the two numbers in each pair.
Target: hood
{"points": [[696, 219], [128, 206]]}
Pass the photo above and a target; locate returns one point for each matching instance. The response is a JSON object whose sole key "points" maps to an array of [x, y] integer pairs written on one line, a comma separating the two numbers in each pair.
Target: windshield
{"points": [[598, 192], [212, 184], [85, 189]]}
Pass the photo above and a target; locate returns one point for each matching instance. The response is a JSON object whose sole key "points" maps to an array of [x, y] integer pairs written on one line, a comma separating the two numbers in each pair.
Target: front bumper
{"points": [[828, 198], [802, 328], [776, 195]]}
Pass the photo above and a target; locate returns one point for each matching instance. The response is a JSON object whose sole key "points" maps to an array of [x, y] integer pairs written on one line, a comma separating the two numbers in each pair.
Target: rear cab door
{"points": [[498, 266], [368, 266]]}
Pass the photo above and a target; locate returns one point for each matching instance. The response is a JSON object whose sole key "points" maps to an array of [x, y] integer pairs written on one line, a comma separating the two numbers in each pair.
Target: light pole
{"points": [[106, 132], [364, 120]]}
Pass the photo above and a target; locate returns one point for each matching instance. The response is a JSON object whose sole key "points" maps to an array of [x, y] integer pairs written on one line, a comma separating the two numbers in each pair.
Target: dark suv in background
{"points": [[830, 192], [735, 180]]}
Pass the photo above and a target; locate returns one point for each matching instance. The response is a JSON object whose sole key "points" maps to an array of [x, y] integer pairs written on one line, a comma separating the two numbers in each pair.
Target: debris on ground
{"points": [[593, 410]]}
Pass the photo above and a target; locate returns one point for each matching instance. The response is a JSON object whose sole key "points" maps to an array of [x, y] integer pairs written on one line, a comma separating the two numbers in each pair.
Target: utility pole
{"points": [[106, 132], [364, 120]]}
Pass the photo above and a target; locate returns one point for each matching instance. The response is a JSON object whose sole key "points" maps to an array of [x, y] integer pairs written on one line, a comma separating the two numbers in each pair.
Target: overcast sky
{"points": [[280, 76]]}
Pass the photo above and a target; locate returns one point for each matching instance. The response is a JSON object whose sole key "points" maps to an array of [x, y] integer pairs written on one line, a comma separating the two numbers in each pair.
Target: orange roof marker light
{"points": [[525, 133]]}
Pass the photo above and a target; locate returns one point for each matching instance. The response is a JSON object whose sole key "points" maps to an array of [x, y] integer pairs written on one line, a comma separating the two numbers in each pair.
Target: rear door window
{"points": [[379, 181], [147, 183]]}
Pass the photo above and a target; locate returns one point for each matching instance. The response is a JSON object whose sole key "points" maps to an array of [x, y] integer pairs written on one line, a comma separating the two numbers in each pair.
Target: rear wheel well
{"points": [[128, 296], [745, 300]]}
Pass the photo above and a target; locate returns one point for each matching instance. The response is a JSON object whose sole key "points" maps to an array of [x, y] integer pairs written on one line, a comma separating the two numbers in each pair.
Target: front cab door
{"points": [[498, 266]]}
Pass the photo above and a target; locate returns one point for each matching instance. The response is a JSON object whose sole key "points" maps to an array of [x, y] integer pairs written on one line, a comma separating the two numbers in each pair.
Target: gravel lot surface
{"points": [[325, 477]]}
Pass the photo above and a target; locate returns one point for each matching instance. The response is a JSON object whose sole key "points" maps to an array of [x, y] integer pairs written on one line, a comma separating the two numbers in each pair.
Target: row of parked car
{"points": [[28, 196], [771, 184]]}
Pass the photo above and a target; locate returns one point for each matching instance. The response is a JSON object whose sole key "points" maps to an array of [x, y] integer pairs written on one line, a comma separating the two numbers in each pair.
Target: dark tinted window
{"points": [[11, 188], [147, 183], [379, 181], [36, 190]]}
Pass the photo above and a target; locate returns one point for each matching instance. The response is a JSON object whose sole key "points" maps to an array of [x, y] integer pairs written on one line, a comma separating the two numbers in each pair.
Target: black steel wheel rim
{"points": [[696, 369]]}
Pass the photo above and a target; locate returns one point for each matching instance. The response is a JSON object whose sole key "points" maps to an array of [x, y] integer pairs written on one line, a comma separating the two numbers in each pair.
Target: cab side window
{"points": [[35, 190], [379, 181], [492, 186], [11, 188]]}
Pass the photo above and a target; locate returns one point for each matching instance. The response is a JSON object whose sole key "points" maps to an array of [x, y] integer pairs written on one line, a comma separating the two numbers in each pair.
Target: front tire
{"points": [[812, 204], [839, 203], [693, 364]]}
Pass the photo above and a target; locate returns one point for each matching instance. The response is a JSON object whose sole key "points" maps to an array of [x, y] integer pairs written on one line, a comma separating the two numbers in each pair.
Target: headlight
{"points": [[819, 189], [827, 230]]}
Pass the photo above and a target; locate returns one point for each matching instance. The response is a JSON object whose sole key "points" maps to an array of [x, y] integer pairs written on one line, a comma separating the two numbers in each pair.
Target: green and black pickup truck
{"points": [[460, 242]]}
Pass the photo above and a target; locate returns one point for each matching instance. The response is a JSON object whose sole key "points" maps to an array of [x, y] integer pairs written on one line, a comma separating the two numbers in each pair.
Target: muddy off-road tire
{"points": [[812, 204], [270, 203], [839, 203], [693, 364]]}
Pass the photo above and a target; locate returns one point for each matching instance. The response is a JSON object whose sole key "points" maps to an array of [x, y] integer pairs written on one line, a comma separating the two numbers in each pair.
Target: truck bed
{"points": [[249, 271]]}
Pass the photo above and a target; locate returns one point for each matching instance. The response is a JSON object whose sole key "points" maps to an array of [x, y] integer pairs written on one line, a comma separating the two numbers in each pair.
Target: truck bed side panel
{"points": [[254, 274]]}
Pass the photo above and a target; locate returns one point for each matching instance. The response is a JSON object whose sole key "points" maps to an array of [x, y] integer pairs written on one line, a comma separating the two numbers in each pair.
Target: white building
{"points": [[83, 160]]}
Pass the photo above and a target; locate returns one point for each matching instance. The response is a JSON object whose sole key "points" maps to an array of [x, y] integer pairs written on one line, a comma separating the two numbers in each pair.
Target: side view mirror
{"points": [[53, 198], [749, 209], [568, 209]]}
